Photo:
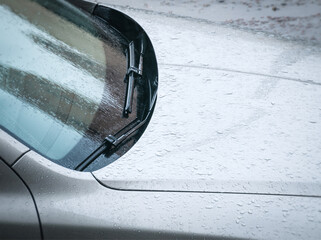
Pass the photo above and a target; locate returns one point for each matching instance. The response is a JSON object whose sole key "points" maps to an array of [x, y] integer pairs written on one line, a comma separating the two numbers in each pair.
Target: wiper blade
{"points": [[133, 71], [105, 146], [112, 142]]}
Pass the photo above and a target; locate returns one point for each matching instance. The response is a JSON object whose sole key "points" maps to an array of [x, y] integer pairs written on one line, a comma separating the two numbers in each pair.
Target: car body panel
{"points": [[10, 148], [74, 205], [18, 214]]}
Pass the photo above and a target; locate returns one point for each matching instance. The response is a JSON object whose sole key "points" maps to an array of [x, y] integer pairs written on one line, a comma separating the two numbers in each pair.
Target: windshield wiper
{"points": [[112, 142], [133, 71]]}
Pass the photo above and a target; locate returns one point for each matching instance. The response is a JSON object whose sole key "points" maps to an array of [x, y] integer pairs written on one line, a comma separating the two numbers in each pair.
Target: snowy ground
{"points": [[234, 105], [291, 19], [238, 111]]}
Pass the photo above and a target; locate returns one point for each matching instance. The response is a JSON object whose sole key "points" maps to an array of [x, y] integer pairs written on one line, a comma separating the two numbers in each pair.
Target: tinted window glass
{"points": [[61, 79]]}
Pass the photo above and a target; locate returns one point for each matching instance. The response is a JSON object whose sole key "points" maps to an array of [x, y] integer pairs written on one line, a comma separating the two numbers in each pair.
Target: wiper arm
{"points": [[105, 146], [112, 142], [132, 72]]}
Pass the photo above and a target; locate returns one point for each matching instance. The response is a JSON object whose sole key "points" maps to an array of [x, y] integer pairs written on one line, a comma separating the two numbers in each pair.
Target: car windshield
{"points": [[61, 79]]}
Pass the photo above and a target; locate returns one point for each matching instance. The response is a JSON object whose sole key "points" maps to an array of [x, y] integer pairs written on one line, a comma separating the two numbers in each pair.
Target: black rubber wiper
{"points": [[111, 143], [133, 71]]}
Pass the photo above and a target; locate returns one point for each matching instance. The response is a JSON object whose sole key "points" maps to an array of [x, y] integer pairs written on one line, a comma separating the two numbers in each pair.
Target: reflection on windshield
{"points": [[24, 54], [56, 93], [49, 137]]}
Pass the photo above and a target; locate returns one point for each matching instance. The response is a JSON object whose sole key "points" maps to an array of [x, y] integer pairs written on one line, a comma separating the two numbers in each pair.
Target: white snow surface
{"points": [[232, 105]]}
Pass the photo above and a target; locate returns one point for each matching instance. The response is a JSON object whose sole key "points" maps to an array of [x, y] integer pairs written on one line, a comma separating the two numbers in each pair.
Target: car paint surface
{"points": [[73, 205], [18, 213]]}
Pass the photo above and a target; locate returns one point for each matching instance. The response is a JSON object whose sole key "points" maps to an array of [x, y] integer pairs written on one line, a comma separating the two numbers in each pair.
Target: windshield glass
{"points": [[61, 79]]}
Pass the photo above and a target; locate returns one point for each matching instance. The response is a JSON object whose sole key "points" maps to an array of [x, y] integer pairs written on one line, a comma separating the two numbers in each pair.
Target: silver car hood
{"points": [[237, 112]]}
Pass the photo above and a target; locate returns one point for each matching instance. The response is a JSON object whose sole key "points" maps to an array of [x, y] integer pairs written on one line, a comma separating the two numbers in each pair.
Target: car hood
{"points": [[237, 112]]}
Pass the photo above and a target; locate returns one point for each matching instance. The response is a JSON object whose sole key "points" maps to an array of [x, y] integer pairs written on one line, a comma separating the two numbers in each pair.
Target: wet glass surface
{"points": [[61, 82]]}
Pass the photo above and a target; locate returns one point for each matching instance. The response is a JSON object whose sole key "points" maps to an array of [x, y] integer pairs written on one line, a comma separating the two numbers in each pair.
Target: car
{"points": [[93, 146]]}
